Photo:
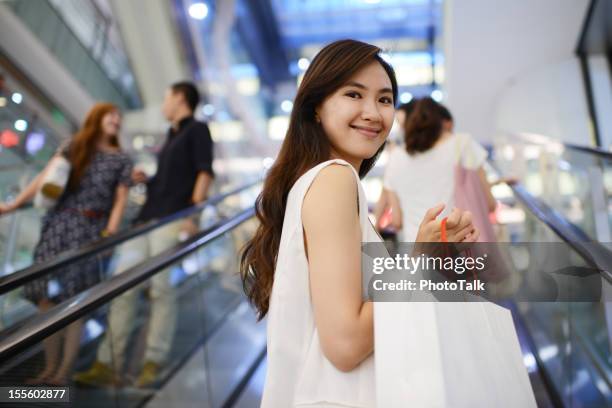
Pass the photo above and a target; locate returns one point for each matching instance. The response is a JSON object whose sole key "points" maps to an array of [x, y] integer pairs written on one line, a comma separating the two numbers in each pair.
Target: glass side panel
{"points": [[72, 279], [574, 182], [20, 231], [123, 353], [572, 339]]}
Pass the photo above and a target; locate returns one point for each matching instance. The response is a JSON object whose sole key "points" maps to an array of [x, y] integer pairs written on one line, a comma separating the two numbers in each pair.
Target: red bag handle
{"points": [[443, 236]]}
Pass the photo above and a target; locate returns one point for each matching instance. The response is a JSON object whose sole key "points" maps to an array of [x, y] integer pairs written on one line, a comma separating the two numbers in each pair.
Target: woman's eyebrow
{"points": [[356, 85], [362, 86]]}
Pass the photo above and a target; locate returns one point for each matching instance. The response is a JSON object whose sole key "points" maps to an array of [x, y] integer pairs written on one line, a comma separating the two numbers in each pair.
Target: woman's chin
{"points": [[361, 155], [368, 153]]}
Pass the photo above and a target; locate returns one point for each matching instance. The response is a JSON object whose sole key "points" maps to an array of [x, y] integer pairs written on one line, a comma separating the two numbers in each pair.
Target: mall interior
{"points": [[531, 81]]}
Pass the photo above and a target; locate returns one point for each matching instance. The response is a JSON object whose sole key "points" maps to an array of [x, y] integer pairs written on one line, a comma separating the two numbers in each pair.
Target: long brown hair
{"points": [[83, 144], [305, 145], [423, 126]]}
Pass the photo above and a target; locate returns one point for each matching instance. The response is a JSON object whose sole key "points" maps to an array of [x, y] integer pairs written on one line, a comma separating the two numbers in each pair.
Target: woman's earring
{"points": [[317, 118]]}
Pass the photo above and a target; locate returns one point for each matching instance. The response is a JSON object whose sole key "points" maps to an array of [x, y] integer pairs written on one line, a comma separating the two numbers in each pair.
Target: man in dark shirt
{"points": [[184, 169], [183, 178]]}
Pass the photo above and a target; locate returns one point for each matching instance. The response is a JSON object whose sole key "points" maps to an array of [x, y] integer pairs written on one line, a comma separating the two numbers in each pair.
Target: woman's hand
{"points": [[429, 230], [139, 176], [7, 208], [459, 230], [459, 227], [511, 180], [108, 231], [188, 229]]}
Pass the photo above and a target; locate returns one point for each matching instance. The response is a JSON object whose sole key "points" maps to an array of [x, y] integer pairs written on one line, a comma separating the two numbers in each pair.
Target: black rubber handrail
{"points": [[592, 150], [587, 149], [593, 252], [43, 325], [235, 395], [19, 278]]}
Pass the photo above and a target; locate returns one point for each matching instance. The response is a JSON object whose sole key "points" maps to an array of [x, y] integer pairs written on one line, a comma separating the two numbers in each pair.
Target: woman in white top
{"points": [[421, 173], [303, 266]]}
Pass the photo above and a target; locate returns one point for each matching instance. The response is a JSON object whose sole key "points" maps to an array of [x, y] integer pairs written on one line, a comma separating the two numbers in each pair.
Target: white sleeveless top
{"points": [[426, 179], [299, 374]]}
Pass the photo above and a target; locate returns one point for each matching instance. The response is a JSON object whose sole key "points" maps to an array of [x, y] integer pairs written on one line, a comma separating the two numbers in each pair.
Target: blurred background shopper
{"points": [[422, 172], [91, 206], [183, 178], [383, 210]]}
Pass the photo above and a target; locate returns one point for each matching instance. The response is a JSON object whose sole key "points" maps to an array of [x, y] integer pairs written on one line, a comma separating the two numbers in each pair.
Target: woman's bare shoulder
{"points": [[333, 189]]}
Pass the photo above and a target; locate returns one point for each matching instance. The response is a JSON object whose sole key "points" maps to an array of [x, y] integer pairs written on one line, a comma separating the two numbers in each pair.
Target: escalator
{"points": [[566, 197], [217, 356], [24, 225], [204, 294], [207, 300], [566, 345]]}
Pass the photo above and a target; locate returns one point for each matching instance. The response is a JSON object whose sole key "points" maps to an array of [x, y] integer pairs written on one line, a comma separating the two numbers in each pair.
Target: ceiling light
{"points": [[35, 142], [437, 95], [21, 125], [303, 64], [138, 142], [405, 97], [267, 163], [199, 11], [286, 106], [208, 109], [17, 98], [386, 57]]}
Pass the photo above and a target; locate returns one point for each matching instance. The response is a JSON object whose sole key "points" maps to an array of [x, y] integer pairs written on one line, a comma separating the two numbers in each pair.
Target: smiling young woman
{"points": [[303, 266]]}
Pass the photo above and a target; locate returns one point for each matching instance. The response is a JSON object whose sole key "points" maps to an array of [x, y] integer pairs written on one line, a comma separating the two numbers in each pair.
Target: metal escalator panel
{"points": [[137, 329], [76, 270]]}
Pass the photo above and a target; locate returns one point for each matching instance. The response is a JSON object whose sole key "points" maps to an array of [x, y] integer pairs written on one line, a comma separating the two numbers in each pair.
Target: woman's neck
{"points": [[443, 137], [356, 163], [105, 146]]}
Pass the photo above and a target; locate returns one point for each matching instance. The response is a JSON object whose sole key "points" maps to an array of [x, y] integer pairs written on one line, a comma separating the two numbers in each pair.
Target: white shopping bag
{"points": [[54, 183], [448, 355]]}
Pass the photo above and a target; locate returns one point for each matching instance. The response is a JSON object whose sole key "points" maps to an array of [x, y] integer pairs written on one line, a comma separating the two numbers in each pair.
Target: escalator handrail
{"points": [[591, 150], [43, 325], [20, 277], [539, 140], [593, 252]]}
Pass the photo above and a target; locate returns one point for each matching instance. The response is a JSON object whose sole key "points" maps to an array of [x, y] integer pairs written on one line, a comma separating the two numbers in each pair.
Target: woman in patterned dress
{"points": [[90, 207]]}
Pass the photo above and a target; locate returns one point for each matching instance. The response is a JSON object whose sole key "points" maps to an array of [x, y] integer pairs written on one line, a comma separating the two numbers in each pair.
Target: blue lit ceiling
{"points": [[309, 22], [272, 35]]}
